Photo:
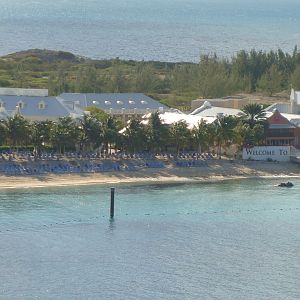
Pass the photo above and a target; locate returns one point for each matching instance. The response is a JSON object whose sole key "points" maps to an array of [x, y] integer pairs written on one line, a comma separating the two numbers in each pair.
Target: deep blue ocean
{"points": [[167, 30], [232, 240]]}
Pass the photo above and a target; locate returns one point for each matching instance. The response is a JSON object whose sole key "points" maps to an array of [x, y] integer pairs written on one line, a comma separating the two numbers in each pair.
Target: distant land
{"points": [[264, 75], [45, 56]]}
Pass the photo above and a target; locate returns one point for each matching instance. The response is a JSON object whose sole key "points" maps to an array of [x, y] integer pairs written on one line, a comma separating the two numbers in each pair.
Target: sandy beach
{"points": [[215, 171]]}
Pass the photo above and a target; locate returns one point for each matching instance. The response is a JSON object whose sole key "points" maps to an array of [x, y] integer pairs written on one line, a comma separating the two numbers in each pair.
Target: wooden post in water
{"points": [[112, 202]]}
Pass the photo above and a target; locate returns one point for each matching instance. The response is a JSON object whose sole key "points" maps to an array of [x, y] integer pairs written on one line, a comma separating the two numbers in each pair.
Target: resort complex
{"points": [[36, 127], [150, 150]]}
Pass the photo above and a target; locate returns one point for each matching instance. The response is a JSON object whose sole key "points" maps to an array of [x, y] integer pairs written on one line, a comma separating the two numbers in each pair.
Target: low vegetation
{"points": [[174, 84]]}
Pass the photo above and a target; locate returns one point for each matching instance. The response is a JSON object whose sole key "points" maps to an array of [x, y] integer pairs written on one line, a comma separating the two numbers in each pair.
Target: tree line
{"points": [[100, 132], [174, 84]]}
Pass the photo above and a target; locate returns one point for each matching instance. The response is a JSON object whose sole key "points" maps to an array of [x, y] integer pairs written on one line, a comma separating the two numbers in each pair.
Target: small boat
{"points": [[286, 184]]}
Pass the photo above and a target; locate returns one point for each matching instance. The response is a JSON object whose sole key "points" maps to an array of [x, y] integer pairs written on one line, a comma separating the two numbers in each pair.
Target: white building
{"points": [[171, 117], [293, 107], [23, 92], [295, 102], [208, 110]]}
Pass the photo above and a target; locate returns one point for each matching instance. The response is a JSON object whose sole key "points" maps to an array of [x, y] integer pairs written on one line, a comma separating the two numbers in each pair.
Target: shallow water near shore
{"points": [[229, 240]]}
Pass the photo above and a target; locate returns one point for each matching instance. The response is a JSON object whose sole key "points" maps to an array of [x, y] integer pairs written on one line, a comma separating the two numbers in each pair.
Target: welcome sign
{"points": [[278, 153]]}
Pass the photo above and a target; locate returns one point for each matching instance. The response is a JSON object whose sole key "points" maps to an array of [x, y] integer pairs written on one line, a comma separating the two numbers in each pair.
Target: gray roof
{"points": [[207, 110], [281, 107], [115, 101], [53, 107], [73, 104]]}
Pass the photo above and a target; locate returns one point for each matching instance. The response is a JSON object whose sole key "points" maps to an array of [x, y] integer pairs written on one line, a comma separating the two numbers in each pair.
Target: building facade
{"points": [[292, 107], [124, 105], [36, 105], [295, 102], [281, 132]]}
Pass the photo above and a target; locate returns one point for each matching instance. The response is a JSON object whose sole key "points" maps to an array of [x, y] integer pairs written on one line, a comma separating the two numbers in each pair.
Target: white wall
{"points": [[278, 153], [23, 92]]}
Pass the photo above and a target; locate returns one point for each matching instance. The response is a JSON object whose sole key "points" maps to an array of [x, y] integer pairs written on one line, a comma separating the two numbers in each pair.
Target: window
{"points": [[107, 102], [131, 102], [42, 105], [119, 102], [144, 102], [21, 104]]}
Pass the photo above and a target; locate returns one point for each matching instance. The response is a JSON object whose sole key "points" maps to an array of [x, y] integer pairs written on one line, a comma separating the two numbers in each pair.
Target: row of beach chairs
{"points": [[90, 167], [47, 156]]}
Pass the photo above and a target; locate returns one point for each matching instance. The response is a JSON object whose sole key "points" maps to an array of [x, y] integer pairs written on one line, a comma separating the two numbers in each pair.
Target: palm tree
{"points": [[40, 135], [111, 134], [91, 133], [243, 134], [18, 130], [64, 134], [3, 132], [254, 114], [211, 135], [259, 134], [180, 134], [200, 135], [224, 131], [157, 133], [135, 136]]}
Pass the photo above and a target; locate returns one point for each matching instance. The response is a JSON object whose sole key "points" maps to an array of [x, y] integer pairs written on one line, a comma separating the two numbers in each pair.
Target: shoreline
{"points": [[217, 171]]}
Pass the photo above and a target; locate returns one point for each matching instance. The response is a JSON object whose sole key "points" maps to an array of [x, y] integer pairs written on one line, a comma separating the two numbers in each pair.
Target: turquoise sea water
{"points": [[167, 30], [233, 240]]}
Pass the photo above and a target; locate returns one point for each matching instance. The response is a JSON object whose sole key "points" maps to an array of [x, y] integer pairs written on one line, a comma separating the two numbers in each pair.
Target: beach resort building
{"points": [[236, 102], [36, 105], [124, 105], [32, 104], [23, 92], [208, 110], [171, 117], [206, 113], [295, 102], [293, 107], [35, 108], [281, 131]]}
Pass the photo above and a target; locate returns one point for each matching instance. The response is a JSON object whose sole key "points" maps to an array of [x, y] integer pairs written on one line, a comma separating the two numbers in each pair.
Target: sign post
{"points": [[112, 202]]}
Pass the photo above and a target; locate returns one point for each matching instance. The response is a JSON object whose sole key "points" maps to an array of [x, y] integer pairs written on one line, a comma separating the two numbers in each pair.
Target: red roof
{"points": [[278, 119]]}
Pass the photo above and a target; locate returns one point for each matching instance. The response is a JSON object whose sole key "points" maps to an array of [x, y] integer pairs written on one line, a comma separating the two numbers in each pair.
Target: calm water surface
{"points": [[237, 240], [167, 30]]}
